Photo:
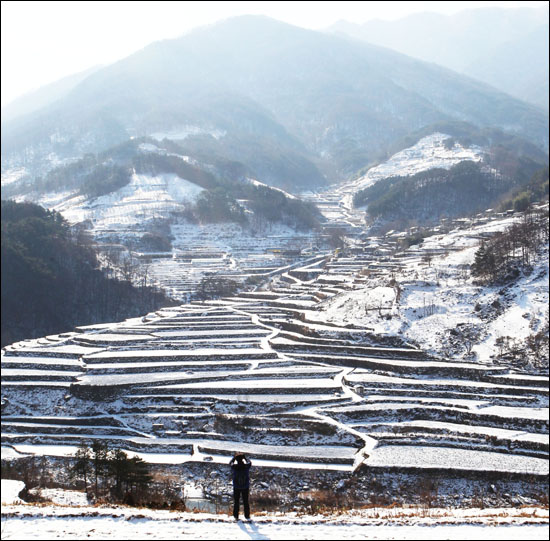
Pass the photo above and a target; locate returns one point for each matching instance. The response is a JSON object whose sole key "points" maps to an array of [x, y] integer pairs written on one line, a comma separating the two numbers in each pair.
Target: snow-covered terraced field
{"points": [[324, 366], [140, 378], [325, 394], [434, 457]]}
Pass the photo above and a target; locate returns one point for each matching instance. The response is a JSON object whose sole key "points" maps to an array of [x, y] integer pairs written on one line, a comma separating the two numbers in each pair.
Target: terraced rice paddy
{"points": [[251, 373], [262, 372]]}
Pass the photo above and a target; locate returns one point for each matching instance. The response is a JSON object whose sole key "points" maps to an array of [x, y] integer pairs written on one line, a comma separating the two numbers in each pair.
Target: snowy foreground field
{"points": [[71, 521], [109, 523]]}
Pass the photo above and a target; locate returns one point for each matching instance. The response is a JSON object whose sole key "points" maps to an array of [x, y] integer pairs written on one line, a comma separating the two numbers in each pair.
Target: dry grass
{"points": [[267, 499]]}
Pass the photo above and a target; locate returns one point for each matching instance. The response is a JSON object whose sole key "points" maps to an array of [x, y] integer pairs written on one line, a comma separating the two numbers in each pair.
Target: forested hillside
{"points": [[51, 280], [224, 183], [465, 188]]}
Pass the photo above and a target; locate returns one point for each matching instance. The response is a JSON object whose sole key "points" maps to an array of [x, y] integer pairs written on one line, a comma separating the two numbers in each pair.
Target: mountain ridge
{"points": [[311, 107], [497, 46]]}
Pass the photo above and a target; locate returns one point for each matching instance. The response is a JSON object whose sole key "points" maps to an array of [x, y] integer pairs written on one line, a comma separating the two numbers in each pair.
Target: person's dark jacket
{"points": [[241, 475]]}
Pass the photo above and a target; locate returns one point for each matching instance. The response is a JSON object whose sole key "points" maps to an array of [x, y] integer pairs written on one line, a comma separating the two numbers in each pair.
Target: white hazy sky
{"points": [[45, 41]]}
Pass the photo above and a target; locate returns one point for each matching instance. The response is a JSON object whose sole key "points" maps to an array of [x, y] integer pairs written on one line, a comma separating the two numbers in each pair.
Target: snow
{"points": [[10, 492], [71, 498], [216, 332], [520, 320], [44, 361], [435, 299], [103, 522], [412, 365], [280, 398], [418, 456], [210, 378], [291, 383], [338, 458], [113, 337], [475, 386], [182, 132], [144, 196], [63, 349], [58, 200], [456, 428], [523, 413], [171, 353], [428, 153], [13, 175], [148, 147], [31, 372], [258, 183]]}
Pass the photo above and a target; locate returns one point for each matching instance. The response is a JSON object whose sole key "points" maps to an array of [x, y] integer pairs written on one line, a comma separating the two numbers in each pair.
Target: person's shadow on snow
{"points": [[253, 532]]}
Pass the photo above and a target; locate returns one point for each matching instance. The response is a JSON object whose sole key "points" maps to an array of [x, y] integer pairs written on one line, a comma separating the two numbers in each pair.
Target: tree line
{"points": [[51, 278], [523, 196], [106, 473], [466, 188], [110, 472], [429, 195], [219, 201], [224, 184], [505, 254], [89, 176]]}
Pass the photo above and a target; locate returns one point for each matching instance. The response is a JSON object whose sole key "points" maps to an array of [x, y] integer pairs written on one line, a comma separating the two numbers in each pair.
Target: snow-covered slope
{"points": [[290, 348], [144, 198], [428, 153], [182, 132], [431, 300]]}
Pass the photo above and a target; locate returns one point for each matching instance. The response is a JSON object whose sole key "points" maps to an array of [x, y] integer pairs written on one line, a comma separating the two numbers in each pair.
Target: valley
{"points": [[343, 365]]}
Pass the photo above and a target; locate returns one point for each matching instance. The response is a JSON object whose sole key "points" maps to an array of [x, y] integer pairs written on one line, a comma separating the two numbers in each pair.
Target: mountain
{"points": [[297, 107], [520, 67], [44, 96], [506, 48]]}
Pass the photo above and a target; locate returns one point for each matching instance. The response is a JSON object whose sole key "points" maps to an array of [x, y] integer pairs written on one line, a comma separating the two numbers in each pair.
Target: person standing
{"points": [[240, 466]]}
